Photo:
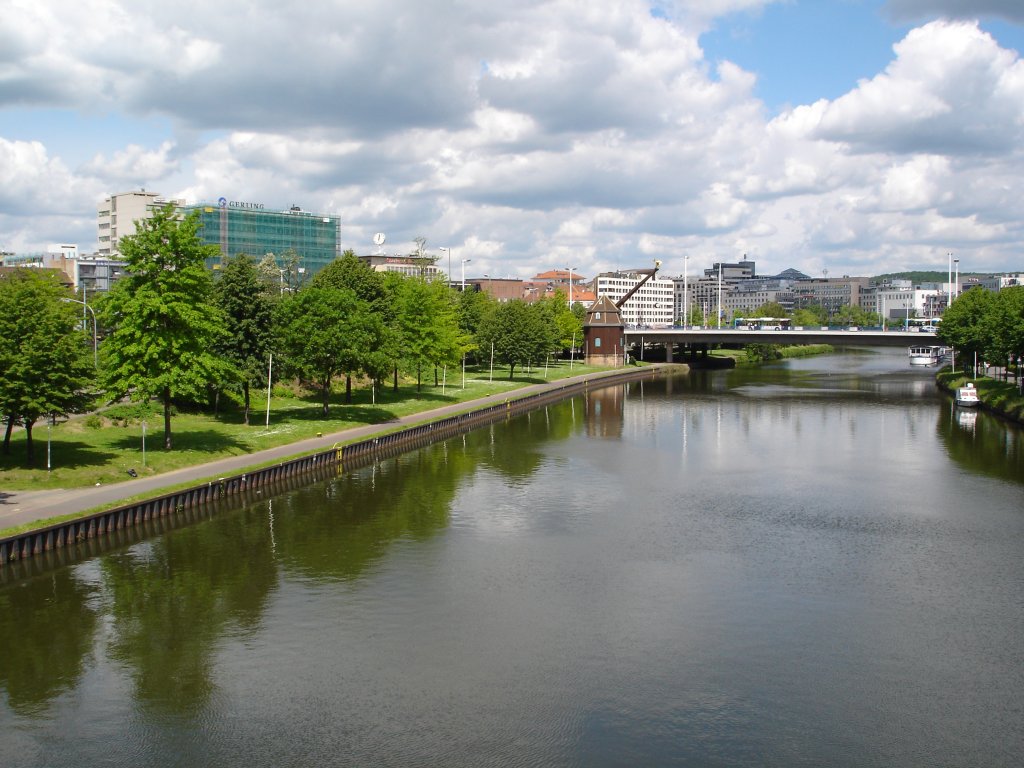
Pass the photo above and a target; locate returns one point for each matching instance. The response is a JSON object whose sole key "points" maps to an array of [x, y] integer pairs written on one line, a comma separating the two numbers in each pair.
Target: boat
{"points": [[967, 396], [925, 355], [967, 417]]}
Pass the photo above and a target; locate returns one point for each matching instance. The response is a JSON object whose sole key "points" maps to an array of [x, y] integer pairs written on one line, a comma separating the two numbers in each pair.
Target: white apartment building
{"points": [[998, 282], [651, 305], [116, 217], [901, 299]]}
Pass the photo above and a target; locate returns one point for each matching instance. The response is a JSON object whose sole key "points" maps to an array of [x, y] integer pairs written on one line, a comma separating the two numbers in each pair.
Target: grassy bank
{"points": [[105, 447], [780, 351], [1003, 397]]}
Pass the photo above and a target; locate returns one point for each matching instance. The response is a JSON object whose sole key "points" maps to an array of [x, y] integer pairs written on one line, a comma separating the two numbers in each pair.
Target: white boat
{"points": [[925, 355], [967, 396], [967, 417]]}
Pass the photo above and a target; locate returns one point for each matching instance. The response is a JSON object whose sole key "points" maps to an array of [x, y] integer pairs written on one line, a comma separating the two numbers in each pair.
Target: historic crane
{"points": [[604, 333], [649, 274]]}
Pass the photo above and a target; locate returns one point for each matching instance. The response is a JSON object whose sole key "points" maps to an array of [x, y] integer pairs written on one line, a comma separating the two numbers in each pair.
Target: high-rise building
{"points": [[116, 217], [650, 306], [237, 227], [234, 227]]}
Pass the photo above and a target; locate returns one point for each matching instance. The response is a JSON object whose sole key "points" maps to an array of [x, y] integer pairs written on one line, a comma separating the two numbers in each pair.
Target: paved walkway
{"points": [[21, 507]]}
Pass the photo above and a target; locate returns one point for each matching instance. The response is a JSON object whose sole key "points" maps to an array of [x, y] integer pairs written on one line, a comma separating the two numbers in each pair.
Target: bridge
{"points": [[700, 338]]}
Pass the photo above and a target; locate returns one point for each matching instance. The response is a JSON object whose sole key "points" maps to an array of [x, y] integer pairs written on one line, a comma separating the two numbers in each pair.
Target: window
{"points": [[597, 342]]}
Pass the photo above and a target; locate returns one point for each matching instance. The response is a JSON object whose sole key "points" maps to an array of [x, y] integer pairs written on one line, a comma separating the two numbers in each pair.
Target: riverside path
{"points": [[23, 507]]}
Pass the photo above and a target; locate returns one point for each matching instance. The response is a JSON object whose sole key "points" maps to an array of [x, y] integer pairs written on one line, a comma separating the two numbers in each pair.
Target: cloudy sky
{"points": [[848, 136]]}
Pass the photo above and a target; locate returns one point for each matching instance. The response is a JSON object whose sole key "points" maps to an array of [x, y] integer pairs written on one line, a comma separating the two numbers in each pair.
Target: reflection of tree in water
{"points": [[172, 599], [47, 627], [982, 443], [516, 447], [337, 529]]}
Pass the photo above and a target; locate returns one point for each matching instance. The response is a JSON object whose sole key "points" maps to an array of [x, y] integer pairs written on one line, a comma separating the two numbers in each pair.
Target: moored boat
{"points": [[967, 396], [925, 355]]}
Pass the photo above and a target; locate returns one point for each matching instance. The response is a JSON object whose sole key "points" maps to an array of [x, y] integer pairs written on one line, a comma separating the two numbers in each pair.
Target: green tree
{"points": [[762, 353], [245, 302], [325, 332], [518, 333], [473, 307], [966, 324], [566, 324], [166, 329], [808, 316], [696, 315], [1005, 324], [851, 315], [771, 309], [428, 326], [46, 365], [348, 271]]}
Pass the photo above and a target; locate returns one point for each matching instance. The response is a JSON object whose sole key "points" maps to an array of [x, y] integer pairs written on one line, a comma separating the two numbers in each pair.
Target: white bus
{"points": [[923, 324]]}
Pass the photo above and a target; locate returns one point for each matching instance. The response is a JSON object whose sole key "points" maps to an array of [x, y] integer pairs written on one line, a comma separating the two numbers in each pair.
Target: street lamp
{"points": [[570, 285], [449, 250], [686, 291], [949, 280], [719, 295], [95, 353], [464, 263]]}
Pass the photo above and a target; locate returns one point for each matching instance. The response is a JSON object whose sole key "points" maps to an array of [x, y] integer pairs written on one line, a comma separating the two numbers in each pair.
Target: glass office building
{"points": [[249, 228]]}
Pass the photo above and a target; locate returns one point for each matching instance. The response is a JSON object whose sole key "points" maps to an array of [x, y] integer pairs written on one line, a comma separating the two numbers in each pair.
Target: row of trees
{"points": [[172, 332], [986, 324]]}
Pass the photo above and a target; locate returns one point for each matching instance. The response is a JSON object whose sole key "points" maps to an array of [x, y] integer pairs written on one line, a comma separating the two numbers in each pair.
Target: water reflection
{"points": [[792, 565], [47, 626], [172, 598], [981, 442], [338, 529]]}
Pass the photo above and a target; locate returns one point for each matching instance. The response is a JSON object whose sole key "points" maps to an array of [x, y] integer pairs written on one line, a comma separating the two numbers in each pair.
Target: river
{"points": [[818, 562]]}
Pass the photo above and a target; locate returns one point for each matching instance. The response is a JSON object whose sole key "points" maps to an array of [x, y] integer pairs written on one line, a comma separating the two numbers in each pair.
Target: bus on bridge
{"points": [[762, 323], [923, 324]]}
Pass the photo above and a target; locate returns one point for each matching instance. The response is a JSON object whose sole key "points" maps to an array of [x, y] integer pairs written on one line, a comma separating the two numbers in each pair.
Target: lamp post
{"points": [[464, 263], [686, 291], [949, 281], [95, 353], [570, 285], [719, 295], [449, 250]]}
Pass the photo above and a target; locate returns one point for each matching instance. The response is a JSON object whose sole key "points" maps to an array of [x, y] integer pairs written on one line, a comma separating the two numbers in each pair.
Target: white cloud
{"points": [[964, 9], [524, 135], [951, 89]]}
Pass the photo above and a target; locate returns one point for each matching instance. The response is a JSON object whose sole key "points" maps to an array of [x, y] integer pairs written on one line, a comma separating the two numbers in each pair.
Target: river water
{"points": [[816, 563]]}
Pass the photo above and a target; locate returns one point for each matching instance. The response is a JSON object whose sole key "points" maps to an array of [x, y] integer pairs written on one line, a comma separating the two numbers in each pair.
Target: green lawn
{"points": [[85, 451]]}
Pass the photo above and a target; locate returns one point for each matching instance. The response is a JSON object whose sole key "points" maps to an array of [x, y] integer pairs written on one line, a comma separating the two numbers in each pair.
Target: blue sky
{"points": [[803, 51], [861, 136]]}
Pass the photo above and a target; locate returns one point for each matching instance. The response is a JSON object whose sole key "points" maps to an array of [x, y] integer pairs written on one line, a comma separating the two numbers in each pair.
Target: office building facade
{"points": [[237, 227], [233, 227], [649, 306]]}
